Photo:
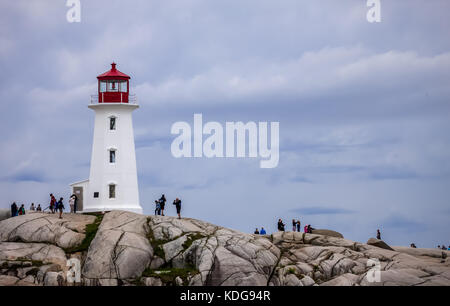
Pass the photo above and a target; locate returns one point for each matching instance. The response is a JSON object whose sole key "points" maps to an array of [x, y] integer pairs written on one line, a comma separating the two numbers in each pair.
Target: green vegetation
{"points": [[90, 232], [34, 263], [156, 244], [190, 239], [291, 271]]}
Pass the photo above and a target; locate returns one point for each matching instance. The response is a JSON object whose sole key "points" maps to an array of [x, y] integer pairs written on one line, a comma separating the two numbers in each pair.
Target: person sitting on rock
{"points": [[32, 208], [413, 246], [39, 208], [256, 231], [378, 234], [263, 231]]}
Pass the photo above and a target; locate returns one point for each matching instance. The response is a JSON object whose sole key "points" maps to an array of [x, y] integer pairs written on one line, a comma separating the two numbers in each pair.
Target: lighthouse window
{"points": [[112, 156], [123, 87], [113, 86], [102, 86], [112, 191], [112, 123]]}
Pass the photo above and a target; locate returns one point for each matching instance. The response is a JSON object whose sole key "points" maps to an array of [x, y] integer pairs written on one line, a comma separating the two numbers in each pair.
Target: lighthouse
{"points": [[112, 183]]}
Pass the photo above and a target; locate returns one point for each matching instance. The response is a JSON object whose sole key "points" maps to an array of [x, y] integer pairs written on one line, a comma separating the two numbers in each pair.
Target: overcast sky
{"points": [[363, 107]]}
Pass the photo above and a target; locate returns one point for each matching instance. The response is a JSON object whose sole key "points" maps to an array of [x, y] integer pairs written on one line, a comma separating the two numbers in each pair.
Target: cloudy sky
{"points": [[363, 107]]}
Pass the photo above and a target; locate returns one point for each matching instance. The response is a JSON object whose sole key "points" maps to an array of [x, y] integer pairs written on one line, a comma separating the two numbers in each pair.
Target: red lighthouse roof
{"points": [[113, 74]]}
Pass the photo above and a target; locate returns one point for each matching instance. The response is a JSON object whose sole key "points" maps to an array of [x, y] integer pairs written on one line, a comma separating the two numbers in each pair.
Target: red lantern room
{"points": [[113, 86]]}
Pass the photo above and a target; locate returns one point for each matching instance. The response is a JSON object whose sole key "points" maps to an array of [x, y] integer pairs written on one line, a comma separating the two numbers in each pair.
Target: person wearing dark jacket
{"points": [[60, 207], [14, 209], [177, 204], [162, 204], [280, 225]]}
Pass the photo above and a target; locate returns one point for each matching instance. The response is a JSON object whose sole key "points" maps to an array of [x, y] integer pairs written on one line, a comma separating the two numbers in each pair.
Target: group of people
{"points": [[443, 247], [260, 232], [54, 206], [16, 210], [161, 203], [296, 226]]}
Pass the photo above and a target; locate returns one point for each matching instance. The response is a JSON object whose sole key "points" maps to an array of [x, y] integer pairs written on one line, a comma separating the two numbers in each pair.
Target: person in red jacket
{"points": [[52, 203]]}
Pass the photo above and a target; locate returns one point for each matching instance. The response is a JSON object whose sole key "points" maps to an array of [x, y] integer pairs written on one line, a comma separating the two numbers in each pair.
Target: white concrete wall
{"points": [[123, 172]]}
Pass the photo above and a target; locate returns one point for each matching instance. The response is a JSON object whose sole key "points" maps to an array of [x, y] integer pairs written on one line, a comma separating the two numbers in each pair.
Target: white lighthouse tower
{"points": [[112, 183]]}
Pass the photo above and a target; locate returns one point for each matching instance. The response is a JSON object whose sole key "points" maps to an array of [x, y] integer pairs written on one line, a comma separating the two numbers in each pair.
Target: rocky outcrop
{"points": [[5, 214], [120, 250], [130, 249], [67, 232], [327, 232], [379, 243]]}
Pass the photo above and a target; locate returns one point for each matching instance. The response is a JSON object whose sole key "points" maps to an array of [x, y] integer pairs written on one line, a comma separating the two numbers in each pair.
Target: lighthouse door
{"points": [[78, 191]]}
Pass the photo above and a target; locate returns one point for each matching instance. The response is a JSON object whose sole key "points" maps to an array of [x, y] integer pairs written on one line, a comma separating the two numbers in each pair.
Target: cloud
{"points": [[320, 210], [363, 108]]}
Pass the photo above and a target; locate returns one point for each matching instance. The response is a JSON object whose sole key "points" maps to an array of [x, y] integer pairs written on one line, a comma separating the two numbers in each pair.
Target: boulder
{"points": [[46, 228], [7, 280], [120, 249], [433, 253], [5, 214], [326, 232], [152, 281], [37, 252], [129, 247], [379, 243], [53, 279]]}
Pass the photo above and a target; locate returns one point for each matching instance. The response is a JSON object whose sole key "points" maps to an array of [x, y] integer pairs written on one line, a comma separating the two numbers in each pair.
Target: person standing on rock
{"points": [[52, 203], [378, 234], [157, 208], [14, 209], [60, 207], [177, 204], [75, 202], [162, 203], [72, 204], [298, 226], [280, 225], [22, 210], [294, 225], [263, 231]]}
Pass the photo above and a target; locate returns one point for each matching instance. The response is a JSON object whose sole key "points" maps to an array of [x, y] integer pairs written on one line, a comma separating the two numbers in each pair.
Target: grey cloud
{"points": [[363, 108]]}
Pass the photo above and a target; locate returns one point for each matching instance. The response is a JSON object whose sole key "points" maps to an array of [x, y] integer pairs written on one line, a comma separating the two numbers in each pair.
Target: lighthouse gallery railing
{"points": [[132, 99]]}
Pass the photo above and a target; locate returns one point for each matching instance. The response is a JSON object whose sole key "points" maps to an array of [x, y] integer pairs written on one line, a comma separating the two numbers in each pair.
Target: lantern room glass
{"points": [[114, 86]]}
